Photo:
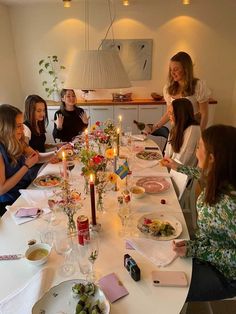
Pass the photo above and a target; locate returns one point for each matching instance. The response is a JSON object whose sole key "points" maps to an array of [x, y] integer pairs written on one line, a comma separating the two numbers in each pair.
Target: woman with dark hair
{"points": [[214, 248], [182, 83], [185, 132], [16, 158], [70, 120]]}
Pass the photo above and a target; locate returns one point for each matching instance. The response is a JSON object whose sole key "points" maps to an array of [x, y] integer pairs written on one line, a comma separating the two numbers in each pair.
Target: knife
{"points": [[152, 148], [10, 257]]}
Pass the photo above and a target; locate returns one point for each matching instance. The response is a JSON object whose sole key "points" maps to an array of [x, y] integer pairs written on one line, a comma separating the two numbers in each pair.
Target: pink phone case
{"points": [[169, 279], [27, 212]]}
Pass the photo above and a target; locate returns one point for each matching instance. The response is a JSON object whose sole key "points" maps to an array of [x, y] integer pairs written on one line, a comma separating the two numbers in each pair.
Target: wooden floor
{"points": [[218, 307]]}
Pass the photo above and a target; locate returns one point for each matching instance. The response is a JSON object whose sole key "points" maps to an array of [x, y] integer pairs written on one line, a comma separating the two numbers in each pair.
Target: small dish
{"points": [[38, 254], [137, 191]]}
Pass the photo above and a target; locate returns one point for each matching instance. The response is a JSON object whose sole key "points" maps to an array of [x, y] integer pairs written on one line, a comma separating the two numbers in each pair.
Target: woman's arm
{"points": [[7, 184], [58, 125]]}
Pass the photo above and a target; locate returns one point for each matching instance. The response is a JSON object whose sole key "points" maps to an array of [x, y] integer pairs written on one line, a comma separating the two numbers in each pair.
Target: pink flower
{"points": [[98, 159], [98, 123]]}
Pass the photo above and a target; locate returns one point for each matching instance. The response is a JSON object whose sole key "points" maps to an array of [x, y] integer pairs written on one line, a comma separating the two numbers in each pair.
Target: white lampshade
{"points": [[97, 69]]}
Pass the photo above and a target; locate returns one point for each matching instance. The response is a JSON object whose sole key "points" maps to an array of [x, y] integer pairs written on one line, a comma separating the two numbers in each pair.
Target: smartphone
{"points": [[27, 212], [169, 279]]}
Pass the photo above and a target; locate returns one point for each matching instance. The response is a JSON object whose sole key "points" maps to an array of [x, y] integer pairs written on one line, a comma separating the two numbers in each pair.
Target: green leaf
{"points": [[47, 65], [54, 58], [44, 83], [41, 62], [40, 71], [62, 67], [51, 72]]}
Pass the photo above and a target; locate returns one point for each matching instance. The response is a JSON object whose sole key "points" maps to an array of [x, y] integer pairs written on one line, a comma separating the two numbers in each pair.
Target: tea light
{"points": [[92, 198]]}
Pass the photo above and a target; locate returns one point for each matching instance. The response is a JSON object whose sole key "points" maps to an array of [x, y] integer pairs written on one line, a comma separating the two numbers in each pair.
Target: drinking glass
{"points": [[92, 246], [63, 245], [83, 253], [124, 212]]}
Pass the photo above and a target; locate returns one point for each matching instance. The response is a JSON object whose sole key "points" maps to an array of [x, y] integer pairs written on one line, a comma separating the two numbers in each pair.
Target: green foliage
{"points": [[49, 68]]}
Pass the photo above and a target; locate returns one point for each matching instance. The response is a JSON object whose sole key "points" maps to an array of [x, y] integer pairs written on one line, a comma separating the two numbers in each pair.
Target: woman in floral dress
{"points": [[214, 247]]}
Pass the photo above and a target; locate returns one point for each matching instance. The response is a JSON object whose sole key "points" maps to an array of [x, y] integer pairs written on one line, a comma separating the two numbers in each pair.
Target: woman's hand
{"points": [[169, 163], [59, 121], [180, 248], [32, 159], [84, 118]]}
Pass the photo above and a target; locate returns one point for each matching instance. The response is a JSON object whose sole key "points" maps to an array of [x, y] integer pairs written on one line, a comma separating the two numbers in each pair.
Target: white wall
{"points": [[205, 29], [10, 89]]}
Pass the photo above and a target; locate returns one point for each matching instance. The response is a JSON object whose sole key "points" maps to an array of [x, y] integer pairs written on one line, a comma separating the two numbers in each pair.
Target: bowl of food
{"points": [[137, 191], [38, 253]]}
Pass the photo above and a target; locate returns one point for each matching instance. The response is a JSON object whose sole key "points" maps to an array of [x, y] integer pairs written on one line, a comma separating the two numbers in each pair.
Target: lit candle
{"points": [[118, 141], [120, 123], [64, 165], [92, 197], [86, 139]]}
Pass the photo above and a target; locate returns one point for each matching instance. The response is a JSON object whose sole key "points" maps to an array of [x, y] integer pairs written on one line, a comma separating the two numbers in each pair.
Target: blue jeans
{"points": [[208, 284]]}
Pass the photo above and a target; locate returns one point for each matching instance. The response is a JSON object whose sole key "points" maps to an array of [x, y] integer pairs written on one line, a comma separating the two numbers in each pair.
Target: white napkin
{"points": [[139, 137], [21, 220], [22, 300], [36, 198], [159, 253]]}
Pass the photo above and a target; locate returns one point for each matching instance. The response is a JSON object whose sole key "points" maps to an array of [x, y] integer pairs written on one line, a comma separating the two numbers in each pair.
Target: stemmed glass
{"points": [[63, 246], [92, 245], [70, 166], [124, 212]]}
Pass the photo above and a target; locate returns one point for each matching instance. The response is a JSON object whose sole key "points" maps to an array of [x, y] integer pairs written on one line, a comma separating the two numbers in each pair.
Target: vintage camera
{"points": [[132, 267]]}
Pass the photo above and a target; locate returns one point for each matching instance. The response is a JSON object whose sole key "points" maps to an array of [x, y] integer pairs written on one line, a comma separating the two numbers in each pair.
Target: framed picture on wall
{"points": [[136, 55]]}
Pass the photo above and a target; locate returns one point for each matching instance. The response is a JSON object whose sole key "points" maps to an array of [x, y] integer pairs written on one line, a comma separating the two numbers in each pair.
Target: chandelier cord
{"points": [[112, 19]]}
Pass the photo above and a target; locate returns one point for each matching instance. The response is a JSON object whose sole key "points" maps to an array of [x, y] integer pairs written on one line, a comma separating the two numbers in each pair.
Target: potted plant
{"points": [[51, 69]]}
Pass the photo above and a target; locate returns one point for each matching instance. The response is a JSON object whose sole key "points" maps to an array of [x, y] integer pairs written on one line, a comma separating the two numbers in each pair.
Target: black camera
{"points": [[132, 267]]}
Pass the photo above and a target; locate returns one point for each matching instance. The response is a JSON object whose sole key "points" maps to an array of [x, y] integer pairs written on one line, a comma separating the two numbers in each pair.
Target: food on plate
{"points": [[156, 227], [37, 254], [86, 303], [149, 155], [48, 180]]}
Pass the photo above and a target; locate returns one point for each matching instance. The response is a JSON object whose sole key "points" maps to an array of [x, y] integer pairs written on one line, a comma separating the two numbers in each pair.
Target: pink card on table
{"points": [[112, 287]]}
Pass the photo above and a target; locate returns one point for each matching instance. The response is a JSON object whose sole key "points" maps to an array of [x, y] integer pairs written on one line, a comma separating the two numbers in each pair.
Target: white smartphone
{"points": [[169, 279]]}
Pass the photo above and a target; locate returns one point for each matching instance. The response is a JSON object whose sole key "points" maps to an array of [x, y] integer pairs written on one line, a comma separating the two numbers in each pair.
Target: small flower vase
{"points": [[71, 223], [100, 204]]}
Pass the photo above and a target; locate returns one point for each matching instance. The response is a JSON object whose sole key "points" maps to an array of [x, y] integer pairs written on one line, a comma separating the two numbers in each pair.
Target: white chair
{"points": [[180, 181]]}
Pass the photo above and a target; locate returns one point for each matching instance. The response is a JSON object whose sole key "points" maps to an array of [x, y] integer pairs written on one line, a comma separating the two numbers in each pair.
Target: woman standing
{"points": [[16, 158], [185, 132], [214, 248], [182, 83], [70, 120]]}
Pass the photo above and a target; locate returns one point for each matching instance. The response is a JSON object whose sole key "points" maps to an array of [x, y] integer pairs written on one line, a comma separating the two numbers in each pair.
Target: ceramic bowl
{"points": [[137, 191], [38, 253]]}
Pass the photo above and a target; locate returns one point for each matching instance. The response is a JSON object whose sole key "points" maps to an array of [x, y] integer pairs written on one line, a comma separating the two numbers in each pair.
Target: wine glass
{"points": [[63, 245], [83, 256], [92, 246], [124, 212]]}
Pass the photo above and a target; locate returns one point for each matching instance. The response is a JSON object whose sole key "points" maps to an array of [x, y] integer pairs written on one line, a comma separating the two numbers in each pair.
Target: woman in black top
{"points": [[69, 119]]}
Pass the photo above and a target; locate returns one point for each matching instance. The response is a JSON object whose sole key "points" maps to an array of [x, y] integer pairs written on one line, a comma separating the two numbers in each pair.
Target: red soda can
{"points": [[83, 228]]}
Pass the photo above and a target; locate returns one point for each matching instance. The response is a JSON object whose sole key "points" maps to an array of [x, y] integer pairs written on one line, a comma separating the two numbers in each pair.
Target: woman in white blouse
{"points": [[182, 83], [185, 132]]}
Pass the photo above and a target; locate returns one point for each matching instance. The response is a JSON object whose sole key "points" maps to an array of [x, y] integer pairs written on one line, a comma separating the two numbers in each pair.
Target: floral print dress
{"points": [[215, 240]]}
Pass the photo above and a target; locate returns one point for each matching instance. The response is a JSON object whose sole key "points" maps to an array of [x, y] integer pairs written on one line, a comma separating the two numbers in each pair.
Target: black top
{"points": [[37, 141], [72, 124]]}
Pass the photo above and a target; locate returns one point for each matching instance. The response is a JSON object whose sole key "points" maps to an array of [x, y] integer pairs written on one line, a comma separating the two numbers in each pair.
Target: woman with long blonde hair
{"points": [[16, 157]]}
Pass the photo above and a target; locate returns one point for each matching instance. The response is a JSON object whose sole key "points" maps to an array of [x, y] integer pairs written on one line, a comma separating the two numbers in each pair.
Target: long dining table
{"points": [[143, 296]]}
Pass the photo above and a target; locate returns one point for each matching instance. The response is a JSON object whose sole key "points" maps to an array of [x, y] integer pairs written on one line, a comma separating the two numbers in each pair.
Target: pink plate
{"points": [[154, 184]]}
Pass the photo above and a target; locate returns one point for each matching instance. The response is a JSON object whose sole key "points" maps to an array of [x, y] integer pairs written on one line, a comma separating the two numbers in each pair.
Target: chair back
{"points": [[164, 133], [180, 181]]}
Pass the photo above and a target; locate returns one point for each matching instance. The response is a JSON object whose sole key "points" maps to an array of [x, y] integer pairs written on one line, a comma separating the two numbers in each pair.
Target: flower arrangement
{"points": [[104, 132]]}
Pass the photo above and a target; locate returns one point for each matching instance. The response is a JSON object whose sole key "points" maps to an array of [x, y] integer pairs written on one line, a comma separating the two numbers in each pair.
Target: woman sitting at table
{"points": [[185, 132], [16, 157], [214, 249], [70, 120]]}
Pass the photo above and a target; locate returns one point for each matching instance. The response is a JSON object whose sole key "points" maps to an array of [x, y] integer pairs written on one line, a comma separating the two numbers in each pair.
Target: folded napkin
{"points": [[21, 220], [139, 137], [112, 287], [159, 253], [22, 300]]}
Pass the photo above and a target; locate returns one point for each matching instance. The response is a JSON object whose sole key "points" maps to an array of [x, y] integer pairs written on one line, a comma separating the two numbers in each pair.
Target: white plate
{"points": [[60, 299], [38, 182], [163, 217]]}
